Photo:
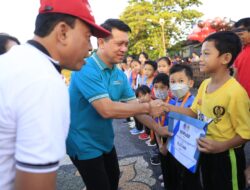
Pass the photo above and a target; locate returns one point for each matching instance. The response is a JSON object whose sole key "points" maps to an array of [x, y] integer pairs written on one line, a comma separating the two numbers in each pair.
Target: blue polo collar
{"points": [[100, 63]]}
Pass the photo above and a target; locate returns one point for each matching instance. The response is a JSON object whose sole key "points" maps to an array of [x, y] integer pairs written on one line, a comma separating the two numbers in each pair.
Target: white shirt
{"points": [[34, 114]]}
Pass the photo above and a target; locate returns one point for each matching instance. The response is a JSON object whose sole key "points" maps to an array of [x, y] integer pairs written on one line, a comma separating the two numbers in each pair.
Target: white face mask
{"points": [[161, 94], [179, 90]]}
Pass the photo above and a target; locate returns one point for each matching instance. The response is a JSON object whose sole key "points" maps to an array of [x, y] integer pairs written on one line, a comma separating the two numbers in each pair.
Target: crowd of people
{"points": [[172, 84], [41, 118]]}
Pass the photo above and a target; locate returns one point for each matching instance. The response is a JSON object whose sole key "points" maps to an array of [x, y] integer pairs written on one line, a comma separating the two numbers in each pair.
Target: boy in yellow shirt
{"points": [[222, 100]]}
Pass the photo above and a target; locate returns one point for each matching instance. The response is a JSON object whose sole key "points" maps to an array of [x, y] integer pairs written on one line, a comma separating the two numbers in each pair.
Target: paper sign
{"points": [[183, 144]]}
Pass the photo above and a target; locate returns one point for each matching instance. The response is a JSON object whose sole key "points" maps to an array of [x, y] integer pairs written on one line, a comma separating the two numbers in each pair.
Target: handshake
{"points": [[158, 108]]}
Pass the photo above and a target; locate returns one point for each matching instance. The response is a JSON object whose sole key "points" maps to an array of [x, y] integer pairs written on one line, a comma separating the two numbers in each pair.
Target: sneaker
{"points": [[160, 177], [162, 184], [155, 161], [132, 130], [154, 152], [144, 136], [154, 157], [131, 124], [127, 121], [151, 143], [135, 131], [147, 141]]}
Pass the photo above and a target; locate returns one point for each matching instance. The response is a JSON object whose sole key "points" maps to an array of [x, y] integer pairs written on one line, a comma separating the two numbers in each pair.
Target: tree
{"points": [[154, 22]]}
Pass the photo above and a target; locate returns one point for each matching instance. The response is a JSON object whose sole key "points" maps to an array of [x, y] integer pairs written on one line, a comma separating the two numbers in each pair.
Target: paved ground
{"points": [[136, 171]]}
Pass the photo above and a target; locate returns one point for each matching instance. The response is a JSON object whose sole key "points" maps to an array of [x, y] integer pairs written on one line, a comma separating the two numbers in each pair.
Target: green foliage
{"points": [[144, 16]]}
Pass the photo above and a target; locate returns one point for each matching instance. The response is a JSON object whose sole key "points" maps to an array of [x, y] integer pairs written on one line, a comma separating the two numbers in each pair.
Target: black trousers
{"points": [[99, 173], [138, 125], [223, 170], [178, 177], [163, 168]]}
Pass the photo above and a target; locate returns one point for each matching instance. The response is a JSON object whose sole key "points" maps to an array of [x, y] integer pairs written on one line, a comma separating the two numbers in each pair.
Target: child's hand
{"points": [[210, 146], [166, 107], [163, 131], [163, 149], [247, 175], [156, 108]]}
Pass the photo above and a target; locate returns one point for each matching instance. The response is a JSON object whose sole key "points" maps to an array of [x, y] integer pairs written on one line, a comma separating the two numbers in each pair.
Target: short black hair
{"points": [[143, 89], [166, 59], [182, 67], [115, 23], [243, 22], [46, 22], [144, 54], [152, 63], [163, 78], [131, 56], [226, 42], [137, 60], [4, 38]]}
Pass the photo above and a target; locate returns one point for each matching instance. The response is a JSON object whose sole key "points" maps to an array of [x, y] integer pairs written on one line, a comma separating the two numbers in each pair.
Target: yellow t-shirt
{"points": [[228, 109]]}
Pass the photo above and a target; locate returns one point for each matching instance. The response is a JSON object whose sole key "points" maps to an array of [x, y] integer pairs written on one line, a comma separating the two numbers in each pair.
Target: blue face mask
{"points": [[161, 94]]}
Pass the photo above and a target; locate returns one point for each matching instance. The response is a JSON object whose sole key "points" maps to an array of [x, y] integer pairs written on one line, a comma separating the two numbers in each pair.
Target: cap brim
{"points": [[97, 30]]}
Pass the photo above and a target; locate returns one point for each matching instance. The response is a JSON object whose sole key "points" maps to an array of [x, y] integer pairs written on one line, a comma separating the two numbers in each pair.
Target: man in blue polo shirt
{"points": [[96, 92]]}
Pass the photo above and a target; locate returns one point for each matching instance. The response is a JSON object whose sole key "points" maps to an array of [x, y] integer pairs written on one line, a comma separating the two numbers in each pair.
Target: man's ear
{"points": [[100, 43], [62, 32]]}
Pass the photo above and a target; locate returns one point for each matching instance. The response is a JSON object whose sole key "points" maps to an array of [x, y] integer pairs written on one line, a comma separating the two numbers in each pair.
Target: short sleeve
{"points": [[196, 103], [90, 84], [239, 110], [128, 93], [42, 114]]}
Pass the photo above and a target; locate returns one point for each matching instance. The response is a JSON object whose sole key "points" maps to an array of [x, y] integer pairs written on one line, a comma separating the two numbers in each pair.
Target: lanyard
{"points": [[185, 99], [45, 51], [161, 119]]}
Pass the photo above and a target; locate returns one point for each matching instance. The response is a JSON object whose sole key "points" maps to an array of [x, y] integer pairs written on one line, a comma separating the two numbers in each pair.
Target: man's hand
{"points": [[156, 108], [166, 107], [211, 146]]}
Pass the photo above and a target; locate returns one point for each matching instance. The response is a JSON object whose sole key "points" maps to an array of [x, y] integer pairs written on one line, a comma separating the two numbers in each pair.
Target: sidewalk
{"points": [[136, 171]]}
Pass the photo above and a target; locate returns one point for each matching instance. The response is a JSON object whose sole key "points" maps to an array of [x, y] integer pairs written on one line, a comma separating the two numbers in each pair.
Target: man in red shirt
{"points": [[242, 63]]}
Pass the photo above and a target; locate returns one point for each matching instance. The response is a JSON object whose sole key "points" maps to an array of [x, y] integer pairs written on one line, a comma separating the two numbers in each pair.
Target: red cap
{"points": [[78, 8]]}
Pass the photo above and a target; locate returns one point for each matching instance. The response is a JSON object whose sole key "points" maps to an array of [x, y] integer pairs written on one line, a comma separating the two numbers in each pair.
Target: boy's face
{"points": [[142, 58], [210, 60], [148, 70], [243, 34], [160, 86], [136, 66], [144, 97], [181, 78], [161, 91], [163, 67], [129, 60]]}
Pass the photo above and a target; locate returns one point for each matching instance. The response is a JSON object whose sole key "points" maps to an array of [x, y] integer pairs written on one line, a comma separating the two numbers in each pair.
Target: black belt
{"points": [[45, 51]]}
